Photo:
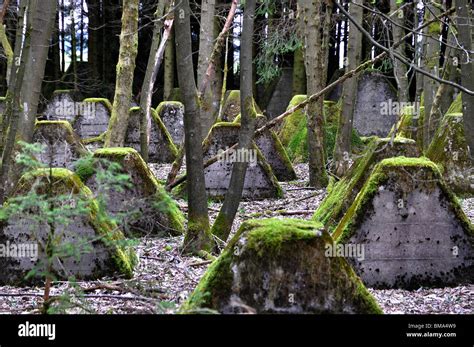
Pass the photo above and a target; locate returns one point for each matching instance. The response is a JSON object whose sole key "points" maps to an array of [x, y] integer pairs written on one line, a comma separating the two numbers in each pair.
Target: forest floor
{"points": [[165, 277]]}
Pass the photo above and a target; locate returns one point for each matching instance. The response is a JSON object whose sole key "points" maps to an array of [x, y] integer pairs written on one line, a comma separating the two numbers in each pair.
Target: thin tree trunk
{"points": [[73, 47], [299, 74], [118, 124], [399, 69], [342, 150], [225, 218], [41, 32], [198, 236], [463, 20], [431, 64], [26, 82], [169, 67], [311, 10], [154, 61]]}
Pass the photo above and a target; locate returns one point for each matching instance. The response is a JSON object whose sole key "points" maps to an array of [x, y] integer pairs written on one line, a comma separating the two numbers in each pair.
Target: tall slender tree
{"points": [[342, 148], [118, 124], [225, 218], [464, 26], [198, 237]]}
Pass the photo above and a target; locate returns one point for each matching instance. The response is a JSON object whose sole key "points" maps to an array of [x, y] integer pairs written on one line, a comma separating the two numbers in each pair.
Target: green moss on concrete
{"points": [[128, 156], [162, 105], [66, 182], [102, 101], [449, 150], [269, 238], [291, 123], [456, 106], [69, 135], [378, 177], [343, 192]]}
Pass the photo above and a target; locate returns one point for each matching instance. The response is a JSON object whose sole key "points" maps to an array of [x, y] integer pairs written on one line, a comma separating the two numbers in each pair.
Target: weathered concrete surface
{"points": [[282, 94], [373, 90], [62, 146], [449, 150], [89, 126], [172, 115], [144, 205], [260, 182], [62, 105], [95, 253], [411, 226], [342, 195], [161, 148], [280, 266]]}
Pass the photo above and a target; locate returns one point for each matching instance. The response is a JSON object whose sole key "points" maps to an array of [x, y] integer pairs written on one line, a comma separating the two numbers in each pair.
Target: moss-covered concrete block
{"points": [[96, 240], [144, 205], [343, 193], [62, 105], [161, 148], [231, 108], [93, 124], [293, 131], [450, 151], [280, 266], [62, 145], [172, 115], [260, 181], [411, 227]]}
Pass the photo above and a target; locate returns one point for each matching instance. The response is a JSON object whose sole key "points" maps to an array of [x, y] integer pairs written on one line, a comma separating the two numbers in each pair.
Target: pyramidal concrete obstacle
{"points": [[64, 105], [411, 228], [87, 243], [343, 193], [450, 151], [92, 123], [172, 115], [62, 146], [260, 182], [143, 205], [280, 266], [273, 151], [161, 148]]}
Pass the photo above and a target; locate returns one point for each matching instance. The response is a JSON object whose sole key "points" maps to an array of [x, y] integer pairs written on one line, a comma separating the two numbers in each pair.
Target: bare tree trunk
{"points": [[299, 74], [209, 83], [93, 7], [118, 124], [198, 236], [154, 61], [311, 10], [399, 69], [431, 64], [169, 65], [41, 31], [225, 218], [342, 150], [26, 82], [463, 20]]}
